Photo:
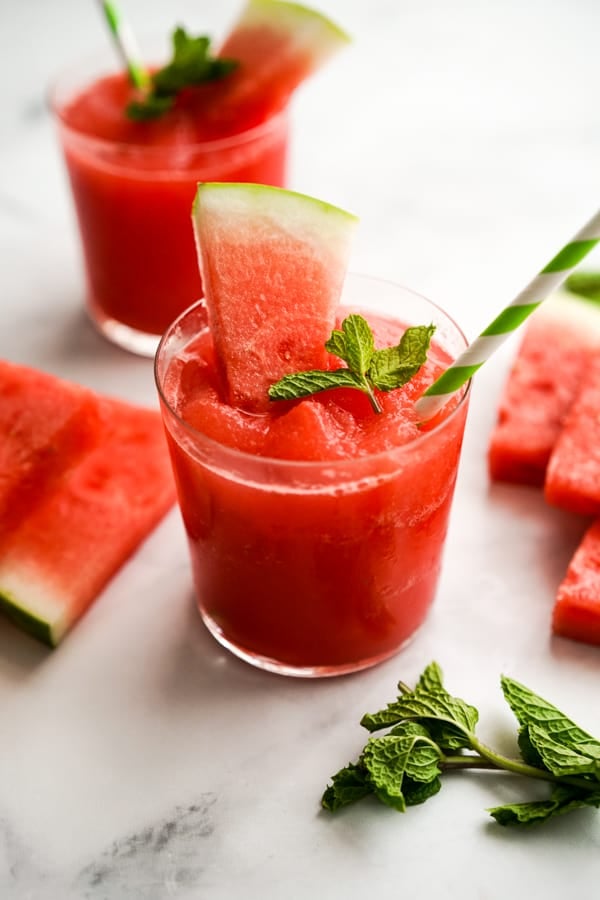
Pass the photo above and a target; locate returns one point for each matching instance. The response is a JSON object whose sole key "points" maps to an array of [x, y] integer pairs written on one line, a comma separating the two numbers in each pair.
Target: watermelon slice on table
{"points": [[553, 357], [273, 264], [277, 45], [39, 430], [577, 608], [573, 474], [74, 521]]}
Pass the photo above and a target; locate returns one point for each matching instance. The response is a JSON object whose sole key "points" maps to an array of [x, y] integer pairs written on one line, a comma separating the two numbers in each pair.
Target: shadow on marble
{"points": [[575, 653], [558, 534], [20, 654], [67, 335], [198, 660]]}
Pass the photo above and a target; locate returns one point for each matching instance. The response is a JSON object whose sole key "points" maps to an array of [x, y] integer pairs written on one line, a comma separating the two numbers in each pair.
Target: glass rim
{"points": [[75, 72], [304, 464]]}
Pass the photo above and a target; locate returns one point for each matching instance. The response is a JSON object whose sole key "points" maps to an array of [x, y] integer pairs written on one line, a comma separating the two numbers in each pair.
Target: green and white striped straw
{"points": [[551, 276], [126, 45]]}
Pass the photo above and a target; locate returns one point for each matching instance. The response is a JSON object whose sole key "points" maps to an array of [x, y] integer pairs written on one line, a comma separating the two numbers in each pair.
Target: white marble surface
{"points": [[140, 760]]}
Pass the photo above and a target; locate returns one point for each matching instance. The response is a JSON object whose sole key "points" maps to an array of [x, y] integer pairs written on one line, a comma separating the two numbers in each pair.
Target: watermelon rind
{"points": [[277, 46], [28, 621], [574, 312], [304, 25], [251, 200], [585, 285]]}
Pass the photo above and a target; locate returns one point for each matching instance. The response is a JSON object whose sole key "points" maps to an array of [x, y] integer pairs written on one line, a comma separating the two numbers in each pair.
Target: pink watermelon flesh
{"points": [[542, 385], [40, 434], [88, 513], [573, 474], [577, 608], [277, 46], [273, 265]]}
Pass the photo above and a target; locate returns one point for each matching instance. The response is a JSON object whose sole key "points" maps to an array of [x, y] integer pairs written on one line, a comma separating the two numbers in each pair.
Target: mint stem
{"points": [[374, 401], [467, 762], [489, 759]]}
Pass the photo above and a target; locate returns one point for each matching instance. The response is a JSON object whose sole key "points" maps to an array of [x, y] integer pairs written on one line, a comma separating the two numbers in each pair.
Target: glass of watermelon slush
{"points": [[133, 184], [327, 561]]}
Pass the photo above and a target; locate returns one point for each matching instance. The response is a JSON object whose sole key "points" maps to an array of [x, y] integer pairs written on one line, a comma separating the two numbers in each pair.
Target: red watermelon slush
{"points": [[316, 529], [133, 184]]}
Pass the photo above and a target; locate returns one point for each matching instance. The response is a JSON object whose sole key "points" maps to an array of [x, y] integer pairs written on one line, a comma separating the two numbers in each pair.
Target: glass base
{"points": [[268, 664], [139, 342]]}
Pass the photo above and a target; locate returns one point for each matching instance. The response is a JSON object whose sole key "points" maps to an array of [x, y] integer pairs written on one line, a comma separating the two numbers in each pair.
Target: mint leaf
{"points": [[150, 108], [423, 762], [531, 709], [431, 679], [528, 751], [447, 733], [446, 736], [368, 368], [389, 758], [348, 785], [360, 343], [336, 345], [423, 706], [393, 367], [416, 792], [560, 759], [191, 65], [303, 384], [563, 800]]}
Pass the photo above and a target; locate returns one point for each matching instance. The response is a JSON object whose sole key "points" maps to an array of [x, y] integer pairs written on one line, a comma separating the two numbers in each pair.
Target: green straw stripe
{"points": [[452, 379], [570, 256], [509, 319], [137, 74], [548, 280], [112, 17], [126, 45]]}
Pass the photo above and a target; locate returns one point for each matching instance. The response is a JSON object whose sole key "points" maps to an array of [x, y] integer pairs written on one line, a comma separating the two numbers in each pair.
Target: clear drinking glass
{"points": [[133, 202], [315, 568]]}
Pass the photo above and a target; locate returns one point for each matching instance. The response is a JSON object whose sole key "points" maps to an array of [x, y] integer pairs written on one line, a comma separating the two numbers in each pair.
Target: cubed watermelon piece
{"points": [[277, 45], [73, 523], [554, 354], [577, 608], [273, 264], [306, 431], [573, 474]]}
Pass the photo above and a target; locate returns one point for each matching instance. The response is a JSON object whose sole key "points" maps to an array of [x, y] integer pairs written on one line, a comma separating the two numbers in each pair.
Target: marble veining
{"points": [[165, 858], [160, 860]]}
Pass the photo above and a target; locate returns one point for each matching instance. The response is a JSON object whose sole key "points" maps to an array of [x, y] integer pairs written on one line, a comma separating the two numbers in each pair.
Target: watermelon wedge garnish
{"points": [[89, 480], [277, 45], [577, 608], [273, 264], [551, 362]]}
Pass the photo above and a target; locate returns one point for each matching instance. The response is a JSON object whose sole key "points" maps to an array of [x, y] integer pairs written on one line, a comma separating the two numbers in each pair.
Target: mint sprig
{"points": [[367, 368], [191, 64], [432, 733]]}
